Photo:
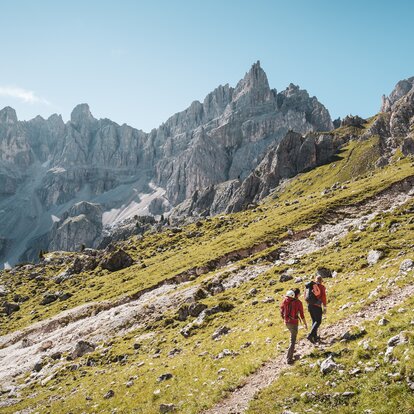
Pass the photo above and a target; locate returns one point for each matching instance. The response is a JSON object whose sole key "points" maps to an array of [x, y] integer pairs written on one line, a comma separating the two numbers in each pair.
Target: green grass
{"points": [[166, 255], [198, 379], [381, 386], [197, 382]]}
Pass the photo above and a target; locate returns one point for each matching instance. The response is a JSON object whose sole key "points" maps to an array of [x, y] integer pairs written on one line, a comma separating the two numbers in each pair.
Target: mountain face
{"points": [[395, 124], [285, 159], [47, 166], [296, 153]]}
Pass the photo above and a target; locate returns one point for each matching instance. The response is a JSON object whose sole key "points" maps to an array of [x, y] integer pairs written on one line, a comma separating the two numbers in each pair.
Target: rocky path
{"points": [[238, 401]]}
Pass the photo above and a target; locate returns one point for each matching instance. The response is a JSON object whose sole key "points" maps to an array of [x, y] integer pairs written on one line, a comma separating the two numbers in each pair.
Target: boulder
{"points": [[285, 277], [109, 394], [328, 365], [3, 291], [196, 308], [165, 377], [46, 345], [383, 322], [49, 298], [9, 308], [223, 330], [38, 366], [117, 261], [82, 348], [406, 265], [374, 256], [397, 340], [324, 272], [182, 313], [167, 408]]}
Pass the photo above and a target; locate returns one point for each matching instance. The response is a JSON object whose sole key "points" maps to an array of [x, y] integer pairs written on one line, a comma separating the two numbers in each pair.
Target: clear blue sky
{"points": [[141, 61]]}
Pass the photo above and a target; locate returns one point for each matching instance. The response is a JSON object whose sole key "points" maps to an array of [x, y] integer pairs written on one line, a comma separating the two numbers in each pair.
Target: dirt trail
{"points": [[20, 350], [238, 401]]}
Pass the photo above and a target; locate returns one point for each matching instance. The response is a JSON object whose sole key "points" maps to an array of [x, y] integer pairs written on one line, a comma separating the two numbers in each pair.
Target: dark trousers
{"points": [[316, 315], [293, 329]]}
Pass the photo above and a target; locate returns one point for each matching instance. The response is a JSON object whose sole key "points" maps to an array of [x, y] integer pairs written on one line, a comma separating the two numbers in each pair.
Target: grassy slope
{"points": [[198, 380], [166, 255], [381, 390]]}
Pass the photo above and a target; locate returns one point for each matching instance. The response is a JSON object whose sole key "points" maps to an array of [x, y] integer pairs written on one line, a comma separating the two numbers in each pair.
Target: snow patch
{"points": [[55, 219], [7, 266]]}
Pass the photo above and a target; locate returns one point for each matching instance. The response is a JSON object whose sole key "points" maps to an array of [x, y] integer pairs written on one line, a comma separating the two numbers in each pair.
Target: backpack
{"points": [[287, 311], [312, 293]]}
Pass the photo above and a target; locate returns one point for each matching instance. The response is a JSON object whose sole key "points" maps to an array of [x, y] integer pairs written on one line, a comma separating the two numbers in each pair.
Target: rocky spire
{"points": [[254, 87], [8, 115], [81, 114], [401, 89]]}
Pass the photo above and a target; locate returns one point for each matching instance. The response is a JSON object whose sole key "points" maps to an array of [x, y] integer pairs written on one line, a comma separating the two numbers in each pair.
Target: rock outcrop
{"points": [[395, 124], [79, 228], [293, 155]]}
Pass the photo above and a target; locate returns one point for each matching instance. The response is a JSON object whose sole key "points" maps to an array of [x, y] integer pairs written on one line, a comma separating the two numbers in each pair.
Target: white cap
{"points": [[290, 294]]}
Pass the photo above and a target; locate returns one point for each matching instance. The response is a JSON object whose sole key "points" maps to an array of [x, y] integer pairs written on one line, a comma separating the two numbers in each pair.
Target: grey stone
{"points": [[328, 365], [49, 298], [117, 261], [348, 394], [383, 322], [182, 313], [10, 307], [38, 366], [167, 408], [285, 277], [164, 377], [324, 272], [406, 265], [223, 330], [374, 256], [3, 291], [82, 348], [109, 394], [196, 308]]}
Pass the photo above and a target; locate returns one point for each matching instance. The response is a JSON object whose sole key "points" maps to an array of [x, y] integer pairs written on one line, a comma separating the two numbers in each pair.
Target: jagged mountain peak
{"points": [[292, 89], [80, 114], [402, 88], [256, 76], [8, 115], [254, 87]]}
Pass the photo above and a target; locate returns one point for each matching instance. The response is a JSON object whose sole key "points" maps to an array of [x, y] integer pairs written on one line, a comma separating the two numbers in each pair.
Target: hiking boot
{"points": [[311, 339], [290, 361]]}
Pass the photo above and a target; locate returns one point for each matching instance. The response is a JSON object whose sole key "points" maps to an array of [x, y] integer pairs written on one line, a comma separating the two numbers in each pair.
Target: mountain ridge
{"points": [[99, 161]]}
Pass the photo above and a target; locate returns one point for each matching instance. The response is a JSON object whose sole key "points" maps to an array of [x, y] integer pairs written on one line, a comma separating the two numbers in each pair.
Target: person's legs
{"points": [[293, 329], [316, 315]]}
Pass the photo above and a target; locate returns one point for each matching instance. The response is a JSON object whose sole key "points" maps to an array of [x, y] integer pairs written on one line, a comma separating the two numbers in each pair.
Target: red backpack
{"points": [[286, 311]]}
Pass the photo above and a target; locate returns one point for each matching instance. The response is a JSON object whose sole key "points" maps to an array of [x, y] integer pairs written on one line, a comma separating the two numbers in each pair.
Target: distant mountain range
{"points": [[63, 185]]}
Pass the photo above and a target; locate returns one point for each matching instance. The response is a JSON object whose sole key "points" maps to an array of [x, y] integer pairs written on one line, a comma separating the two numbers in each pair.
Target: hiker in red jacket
{"points": [[291, 311], [315, 295]]}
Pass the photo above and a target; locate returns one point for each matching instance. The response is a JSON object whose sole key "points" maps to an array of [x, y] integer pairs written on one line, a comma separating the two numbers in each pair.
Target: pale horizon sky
{"points": [[139, 62]]}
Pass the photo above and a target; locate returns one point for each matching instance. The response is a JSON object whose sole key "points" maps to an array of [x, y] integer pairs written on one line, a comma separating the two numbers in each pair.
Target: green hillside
{"points": [[133, 361]]}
